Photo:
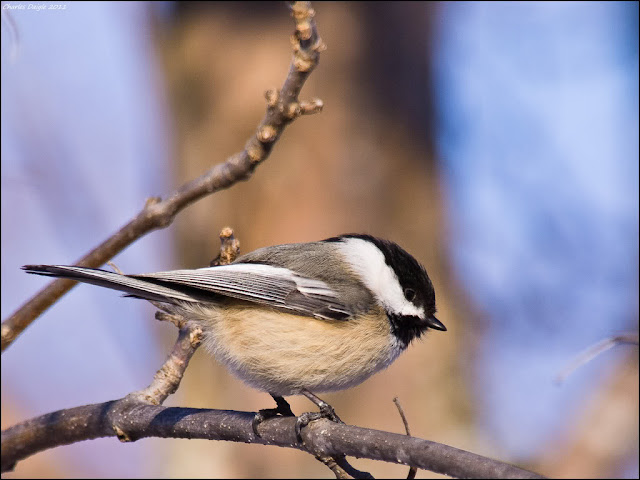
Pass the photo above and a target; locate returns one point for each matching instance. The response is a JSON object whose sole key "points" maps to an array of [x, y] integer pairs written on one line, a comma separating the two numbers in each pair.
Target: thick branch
{"points": [[130, 421], [282, 108]]}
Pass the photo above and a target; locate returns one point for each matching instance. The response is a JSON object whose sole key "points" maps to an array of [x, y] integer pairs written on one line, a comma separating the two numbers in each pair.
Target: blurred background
{"points": [[496, 142]]}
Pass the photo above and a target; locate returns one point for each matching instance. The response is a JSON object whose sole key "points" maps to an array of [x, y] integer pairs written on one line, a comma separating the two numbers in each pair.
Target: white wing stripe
{"points": [[260, 283]]}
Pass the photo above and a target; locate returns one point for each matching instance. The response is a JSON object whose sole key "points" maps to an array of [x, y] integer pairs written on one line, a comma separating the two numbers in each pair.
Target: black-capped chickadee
{"points": [[297, 318]]}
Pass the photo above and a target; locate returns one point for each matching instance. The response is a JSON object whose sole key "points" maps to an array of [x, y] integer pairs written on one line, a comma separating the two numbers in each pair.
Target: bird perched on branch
{"points": [[297, 318]]}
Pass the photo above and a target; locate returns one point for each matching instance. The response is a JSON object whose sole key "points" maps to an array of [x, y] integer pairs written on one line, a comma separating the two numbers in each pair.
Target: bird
{"points": [[296, 318]]}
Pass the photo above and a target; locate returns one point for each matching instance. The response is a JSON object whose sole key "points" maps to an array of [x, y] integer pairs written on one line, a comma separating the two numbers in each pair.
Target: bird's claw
{"points": [[283, 410], [326, 411]]}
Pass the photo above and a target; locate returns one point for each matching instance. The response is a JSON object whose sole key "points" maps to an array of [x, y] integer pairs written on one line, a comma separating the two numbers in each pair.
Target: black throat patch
{"points": [[406, 328]]}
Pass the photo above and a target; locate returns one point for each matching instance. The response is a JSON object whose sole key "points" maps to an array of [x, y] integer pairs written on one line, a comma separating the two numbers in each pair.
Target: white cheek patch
{"points": [[369, 262]]}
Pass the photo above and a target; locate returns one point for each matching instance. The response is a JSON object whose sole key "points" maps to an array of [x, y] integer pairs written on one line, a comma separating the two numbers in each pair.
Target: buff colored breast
{"points": [[282, 353]]}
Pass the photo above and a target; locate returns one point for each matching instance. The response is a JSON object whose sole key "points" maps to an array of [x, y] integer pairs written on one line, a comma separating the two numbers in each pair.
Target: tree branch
{"points": [[282, 108], [131, 420]]}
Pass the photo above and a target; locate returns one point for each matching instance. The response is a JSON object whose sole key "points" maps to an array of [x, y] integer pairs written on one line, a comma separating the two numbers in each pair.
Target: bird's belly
{"points": [[283, 353]]}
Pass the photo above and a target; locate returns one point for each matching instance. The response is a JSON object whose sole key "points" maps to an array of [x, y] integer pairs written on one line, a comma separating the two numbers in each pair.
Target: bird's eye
{"points": [[409, 294]]}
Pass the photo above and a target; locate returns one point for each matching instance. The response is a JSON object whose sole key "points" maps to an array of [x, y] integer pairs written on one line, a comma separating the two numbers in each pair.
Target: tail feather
{"points": [[148, 290]]}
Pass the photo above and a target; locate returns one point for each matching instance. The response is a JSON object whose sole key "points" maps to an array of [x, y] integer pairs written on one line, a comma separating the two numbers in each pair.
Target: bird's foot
{"points": [[283, 409], [326, 411]]}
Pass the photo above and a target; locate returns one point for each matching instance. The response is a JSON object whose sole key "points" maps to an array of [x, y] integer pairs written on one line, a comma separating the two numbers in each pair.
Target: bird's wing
{"points": [[259, 283], [264, 284]]}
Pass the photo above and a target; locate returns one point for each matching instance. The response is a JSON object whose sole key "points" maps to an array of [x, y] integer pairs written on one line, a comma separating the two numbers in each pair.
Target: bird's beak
{"points": [[433, 322]]}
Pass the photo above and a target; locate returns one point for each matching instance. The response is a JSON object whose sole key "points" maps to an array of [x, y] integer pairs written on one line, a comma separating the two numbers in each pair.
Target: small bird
{"points": [[296, 318]]}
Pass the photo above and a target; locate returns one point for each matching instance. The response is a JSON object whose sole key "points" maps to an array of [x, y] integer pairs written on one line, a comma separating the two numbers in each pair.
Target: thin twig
{"points": [[594, 350], [341, 468], [14, 35], [330, 462], [341, 460], [402, 415], [167, 379], [412, 470], [282, 108], [115, 267], [229, 248]]}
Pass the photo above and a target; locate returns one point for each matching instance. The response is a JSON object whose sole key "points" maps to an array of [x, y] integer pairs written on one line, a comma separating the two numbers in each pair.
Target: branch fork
{"points": [[159, 213]]}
